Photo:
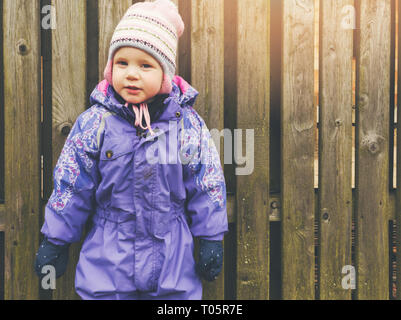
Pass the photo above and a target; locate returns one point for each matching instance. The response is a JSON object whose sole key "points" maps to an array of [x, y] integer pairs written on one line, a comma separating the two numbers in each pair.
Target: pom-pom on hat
{"points": [[153, 27]]}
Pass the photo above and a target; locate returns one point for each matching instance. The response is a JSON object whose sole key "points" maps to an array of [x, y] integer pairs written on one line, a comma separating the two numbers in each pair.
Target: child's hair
{"points": [[153, 27]]}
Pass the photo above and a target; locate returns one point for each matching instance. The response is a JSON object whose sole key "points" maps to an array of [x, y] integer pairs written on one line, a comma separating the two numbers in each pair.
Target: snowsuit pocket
{"points": [[114, 148]]}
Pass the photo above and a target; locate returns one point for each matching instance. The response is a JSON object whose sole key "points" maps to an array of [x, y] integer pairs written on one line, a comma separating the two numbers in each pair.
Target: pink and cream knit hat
{"points": [[153, 27]]}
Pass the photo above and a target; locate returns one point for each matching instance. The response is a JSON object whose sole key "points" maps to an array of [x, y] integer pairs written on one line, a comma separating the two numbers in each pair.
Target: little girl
{"points": [[145, 213]]}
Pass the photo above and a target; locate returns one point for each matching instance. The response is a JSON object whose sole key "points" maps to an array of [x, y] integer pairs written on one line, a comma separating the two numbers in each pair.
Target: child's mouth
{"points": [[133, 89]]}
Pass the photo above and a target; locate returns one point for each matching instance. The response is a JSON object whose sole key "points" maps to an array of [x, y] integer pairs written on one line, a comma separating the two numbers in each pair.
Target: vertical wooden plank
{"points": [[21, 28], [207, 70], [2, 265], [335, 102], [398, 161], [2, 246], [68, 99], [252, 192], [110, 14], [391, 214], [207, 48], [298, 141], [2, 217], [92, 47], [1, 108], [184, 43], [372, 151], [392, 133]]}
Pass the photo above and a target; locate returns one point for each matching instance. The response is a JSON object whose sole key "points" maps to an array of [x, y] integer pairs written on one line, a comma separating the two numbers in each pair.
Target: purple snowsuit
{"points": [[147, 196]]}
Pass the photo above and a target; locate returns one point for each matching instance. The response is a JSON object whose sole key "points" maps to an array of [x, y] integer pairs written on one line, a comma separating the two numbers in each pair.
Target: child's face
{"points": [[137, 76]]}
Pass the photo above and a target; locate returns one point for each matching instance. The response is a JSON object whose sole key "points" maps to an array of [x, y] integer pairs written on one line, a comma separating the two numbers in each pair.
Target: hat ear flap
{"points": [[166, 87], [108, 72]]}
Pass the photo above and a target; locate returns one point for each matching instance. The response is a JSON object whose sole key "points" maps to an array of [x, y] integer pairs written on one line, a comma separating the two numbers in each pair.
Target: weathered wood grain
{"points": [[252, 189], [398, 162], [335, 148], [297, 145], [110, 14], [184, 43], [207, 76], [372, 148], [21, 27], [207, 42], [2, 217], [392, 98], [68, 99], [2, 182]]}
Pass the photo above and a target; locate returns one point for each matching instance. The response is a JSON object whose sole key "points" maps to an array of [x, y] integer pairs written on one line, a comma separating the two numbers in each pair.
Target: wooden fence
{"points": [[315, 80]]}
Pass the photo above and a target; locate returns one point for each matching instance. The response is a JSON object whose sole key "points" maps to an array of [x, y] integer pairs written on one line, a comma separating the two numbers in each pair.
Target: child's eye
{"points": [[122, 63], [145, 65]]}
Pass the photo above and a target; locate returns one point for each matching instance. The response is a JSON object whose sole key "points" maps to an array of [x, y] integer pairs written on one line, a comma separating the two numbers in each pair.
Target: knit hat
{"points": [[153, 27]]}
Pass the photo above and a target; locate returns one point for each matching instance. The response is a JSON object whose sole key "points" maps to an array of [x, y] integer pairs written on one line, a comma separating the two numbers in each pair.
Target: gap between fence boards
{"points": [[2, 213]]}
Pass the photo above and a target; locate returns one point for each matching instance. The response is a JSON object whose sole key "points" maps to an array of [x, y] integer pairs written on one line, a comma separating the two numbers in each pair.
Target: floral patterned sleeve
{"points": [[203, 178], [75, 180]]}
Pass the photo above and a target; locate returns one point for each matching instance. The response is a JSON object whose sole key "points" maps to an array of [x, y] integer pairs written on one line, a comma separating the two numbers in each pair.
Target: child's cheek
{"points": [[117, 80]]}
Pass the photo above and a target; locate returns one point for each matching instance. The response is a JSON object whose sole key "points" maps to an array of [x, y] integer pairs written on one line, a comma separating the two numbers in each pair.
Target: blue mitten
{"points": [[51, 254], [210, 259]]}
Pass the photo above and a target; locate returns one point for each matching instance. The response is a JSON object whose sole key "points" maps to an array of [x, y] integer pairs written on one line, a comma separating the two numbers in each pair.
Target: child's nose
{"points": [[133, 72]]}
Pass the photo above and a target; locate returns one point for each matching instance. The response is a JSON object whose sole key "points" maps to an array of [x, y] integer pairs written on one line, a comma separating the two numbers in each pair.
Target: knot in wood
{"points": [[65, 128], [338, 122], [332, 51], [211, 30], [304, 4], [372, 143], [373, 147], [325, 214], [22, 47], [363, 99]]}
